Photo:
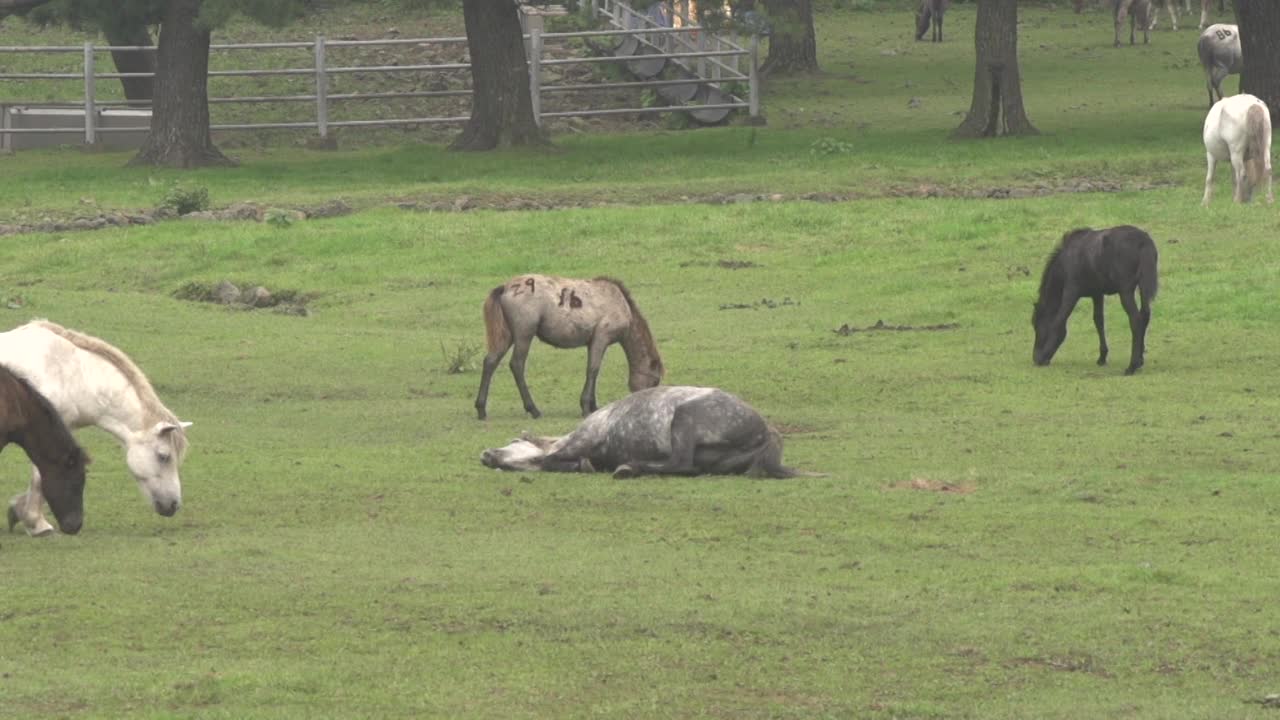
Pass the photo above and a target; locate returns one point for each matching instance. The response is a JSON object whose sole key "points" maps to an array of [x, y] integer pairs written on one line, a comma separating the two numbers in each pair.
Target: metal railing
{"points": [[669, 43]]}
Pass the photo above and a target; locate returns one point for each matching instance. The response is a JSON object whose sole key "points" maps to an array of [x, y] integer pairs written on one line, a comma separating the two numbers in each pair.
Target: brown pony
{"points": [[566, 313], [29, 420]]}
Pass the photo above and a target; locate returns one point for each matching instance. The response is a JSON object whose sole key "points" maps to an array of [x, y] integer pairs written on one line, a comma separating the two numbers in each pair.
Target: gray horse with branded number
{"points": [[566, 313], [1220, 56], [670, 430]]}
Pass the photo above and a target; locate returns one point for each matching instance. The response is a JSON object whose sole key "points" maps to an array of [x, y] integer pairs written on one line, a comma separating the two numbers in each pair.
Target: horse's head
{"points": [[62, 484], [646, 375], [1048, 337], [520, 455], [153, 456]]}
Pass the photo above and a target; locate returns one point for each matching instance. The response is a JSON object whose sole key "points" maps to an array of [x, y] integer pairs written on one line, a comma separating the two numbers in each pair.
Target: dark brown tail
{"points": [[496, 333], [1148, 282], [1257, 130]]}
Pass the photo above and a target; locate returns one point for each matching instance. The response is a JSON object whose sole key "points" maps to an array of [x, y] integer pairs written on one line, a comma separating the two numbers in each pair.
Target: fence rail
{"points": [[667, 43]]}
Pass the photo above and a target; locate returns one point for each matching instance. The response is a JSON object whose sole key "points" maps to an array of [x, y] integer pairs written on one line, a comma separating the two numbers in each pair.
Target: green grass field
{"points": [[992, 539]]}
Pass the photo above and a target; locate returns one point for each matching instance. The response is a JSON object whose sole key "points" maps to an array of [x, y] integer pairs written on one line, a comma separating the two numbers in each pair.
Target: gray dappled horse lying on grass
{"points": [[566, 313], [670, 430], [1095, 263]]}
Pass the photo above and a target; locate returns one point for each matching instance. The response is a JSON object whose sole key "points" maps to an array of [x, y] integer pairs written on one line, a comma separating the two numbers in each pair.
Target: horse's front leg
{"points": [[1208, 180], [26, 508], [595, 359], [1138, 322], [1102, 333], [518, 356]]}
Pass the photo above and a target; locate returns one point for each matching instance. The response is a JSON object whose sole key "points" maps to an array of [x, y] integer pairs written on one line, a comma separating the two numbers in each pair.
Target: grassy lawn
{"points": [[991, 539]]}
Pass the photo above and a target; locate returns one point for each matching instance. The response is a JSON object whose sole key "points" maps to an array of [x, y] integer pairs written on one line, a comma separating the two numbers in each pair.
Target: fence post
{"points": [[535, 73], [90, 105], [322, 89], [753, 83]]}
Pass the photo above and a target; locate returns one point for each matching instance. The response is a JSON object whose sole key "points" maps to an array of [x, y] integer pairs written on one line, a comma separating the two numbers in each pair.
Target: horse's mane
{"points": [[1051, 279], [639, 326], [154, 410], [50, 413]]}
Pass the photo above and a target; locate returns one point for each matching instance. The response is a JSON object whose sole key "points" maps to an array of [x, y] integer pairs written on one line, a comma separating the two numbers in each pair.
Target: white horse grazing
{"points": [[90, 382], [1238, 129]]}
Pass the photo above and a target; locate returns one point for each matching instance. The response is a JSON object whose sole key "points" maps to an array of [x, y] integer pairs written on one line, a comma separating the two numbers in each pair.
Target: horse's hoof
{"points": [[1132, 370], [46, 532], [1102, 360], [534, 413], [625, 472]]}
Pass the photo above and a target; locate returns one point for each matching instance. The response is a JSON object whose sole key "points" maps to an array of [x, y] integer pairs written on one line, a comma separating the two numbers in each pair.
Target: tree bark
{"points": [[501, 107], [997, 83], [138, 91], [1259, 22], [793, 47], [180, 135]]}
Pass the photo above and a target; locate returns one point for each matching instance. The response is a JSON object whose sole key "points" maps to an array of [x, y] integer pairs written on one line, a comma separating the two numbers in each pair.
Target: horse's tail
{"points": [[497, 334], [767, 462], [640, 333], [1257, 144], [1148, 282]]}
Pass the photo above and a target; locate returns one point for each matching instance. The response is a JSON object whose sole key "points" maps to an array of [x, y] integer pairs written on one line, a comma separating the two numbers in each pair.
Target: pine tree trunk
{"points": [[180, 134], [1260, 44], [138, 91], [997, 83], [793, 46], [501, 108]]}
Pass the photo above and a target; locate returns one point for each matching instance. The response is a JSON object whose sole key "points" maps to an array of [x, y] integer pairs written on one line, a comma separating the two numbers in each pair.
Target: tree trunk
{"points": [[997, 83], [792, 44], [179, 134], [138, 91], [501, 107], [1259, 22]]}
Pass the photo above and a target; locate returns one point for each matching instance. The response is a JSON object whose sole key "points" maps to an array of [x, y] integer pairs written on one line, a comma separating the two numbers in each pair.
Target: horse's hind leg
{"points": [[1208, 181], [1102, 333], [518, 356], [1239, 186], [1138, 321], [26, 508], [491, 362], [684, 443]]}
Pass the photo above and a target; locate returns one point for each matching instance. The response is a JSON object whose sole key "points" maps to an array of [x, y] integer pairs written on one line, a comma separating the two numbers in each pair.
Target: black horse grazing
{"points": [[28, 420], [1093, 263], [667, 430]]}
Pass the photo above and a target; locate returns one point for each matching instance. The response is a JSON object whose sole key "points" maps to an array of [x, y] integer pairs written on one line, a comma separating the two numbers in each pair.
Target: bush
{"points": [[182, 199]]}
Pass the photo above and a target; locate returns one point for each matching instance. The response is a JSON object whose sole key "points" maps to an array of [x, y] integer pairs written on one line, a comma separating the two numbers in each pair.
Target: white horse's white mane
{"points": [[154, 410]]}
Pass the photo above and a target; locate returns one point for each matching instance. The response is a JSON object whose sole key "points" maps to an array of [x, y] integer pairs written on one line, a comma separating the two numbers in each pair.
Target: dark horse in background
{"points": [[566, 313], [1093, 264], [28, 420], [669, 430], [930, 13]]}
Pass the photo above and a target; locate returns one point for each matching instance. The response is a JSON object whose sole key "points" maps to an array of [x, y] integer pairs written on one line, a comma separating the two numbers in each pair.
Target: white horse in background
{"points": [[91, 382], [1238, 128]]}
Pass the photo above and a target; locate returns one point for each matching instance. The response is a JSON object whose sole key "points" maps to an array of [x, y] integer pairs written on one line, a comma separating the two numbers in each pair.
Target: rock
{"points": [[226, 293], [257, 296]]}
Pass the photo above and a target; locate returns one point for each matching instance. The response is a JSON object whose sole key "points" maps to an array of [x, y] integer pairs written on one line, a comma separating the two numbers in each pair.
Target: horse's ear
{"points": [[163, 429]]}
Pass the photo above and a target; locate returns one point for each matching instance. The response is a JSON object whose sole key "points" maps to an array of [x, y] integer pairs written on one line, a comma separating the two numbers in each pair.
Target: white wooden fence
{"points": [[321, 71]]}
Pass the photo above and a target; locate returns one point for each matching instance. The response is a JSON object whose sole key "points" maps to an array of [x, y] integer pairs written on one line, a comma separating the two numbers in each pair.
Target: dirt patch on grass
{"points": [[722, 263], [848, 329], [933, 486], [765, 303]]}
